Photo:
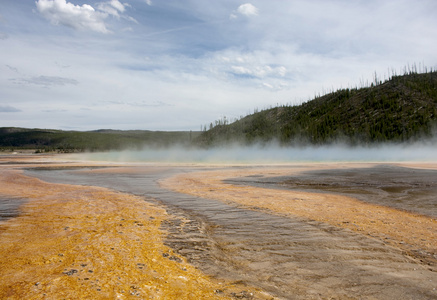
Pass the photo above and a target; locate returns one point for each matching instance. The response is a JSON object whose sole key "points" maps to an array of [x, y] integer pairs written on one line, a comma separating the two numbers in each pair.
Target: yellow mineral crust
{"points": [[405, 230], [75, 242]]}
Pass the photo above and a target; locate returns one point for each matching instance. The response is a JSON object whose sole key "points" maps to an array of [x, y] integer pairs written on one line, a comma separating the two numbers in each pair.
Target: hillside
{"points": [[401, 109], [100, 140]]}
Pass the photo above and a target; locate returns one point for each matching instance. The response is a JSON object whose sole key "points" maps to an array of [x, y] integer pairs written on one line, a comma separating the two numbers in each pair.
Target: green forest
{"points": [[403, 108], [46, 140]]}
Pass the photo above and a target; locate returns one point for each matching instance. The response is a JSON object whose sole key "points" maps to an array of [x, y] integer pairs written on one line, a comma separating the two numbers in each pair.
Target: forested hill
{"points": [[403, 108], [47, 140]]}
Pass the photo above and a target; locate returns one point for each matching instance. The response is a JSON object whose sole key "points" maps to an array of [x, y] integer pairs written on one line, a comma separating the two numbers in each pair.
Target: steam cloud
{"points": [[271, 154]]}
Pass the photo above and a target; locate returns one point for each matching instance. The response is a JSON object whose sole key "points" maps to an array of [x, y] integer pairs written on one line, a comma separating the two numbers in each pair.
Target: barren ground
{"points": [[75, 242], [286, 232]]}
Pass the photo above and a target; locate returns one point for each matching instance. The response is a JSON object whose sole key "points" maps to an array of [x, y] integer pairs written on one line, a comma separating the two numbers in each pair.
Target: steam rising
{"points": [[270, 154]]}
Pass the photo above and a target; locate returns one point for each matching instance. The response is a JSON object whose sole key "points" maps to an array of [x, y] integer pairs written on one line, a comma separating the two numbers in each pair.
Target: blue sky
{"points": [[176, 65]]}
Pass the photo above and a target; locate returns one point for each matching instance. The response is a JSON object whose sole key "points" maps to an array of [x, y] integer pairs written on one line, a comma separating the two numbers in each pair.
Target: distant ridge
{"points": [[401, 109], [48, 140]]}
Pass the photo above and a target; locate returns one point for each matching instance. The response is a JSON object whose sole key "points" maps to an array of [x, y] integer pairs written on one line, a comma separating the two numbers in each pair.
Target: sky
{"points": [[181, 64]]}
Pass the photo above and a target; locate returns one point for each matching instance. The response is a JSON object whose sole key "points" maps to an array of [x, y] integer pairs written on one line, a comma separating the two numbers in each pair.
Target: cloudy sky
{"points": [[179, 64]]}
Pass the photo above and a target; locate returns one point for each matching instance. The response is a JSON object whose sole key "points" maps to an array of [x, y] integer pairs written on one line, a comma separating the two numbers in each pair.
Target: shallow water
{"points": [[290, 257], [9, 207], [403, 188]]}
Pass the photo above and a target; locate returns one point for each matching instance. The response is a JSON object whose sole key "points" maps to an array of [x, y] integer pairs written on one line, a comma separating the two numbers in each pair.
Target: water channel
{"points": [[289, 257]]}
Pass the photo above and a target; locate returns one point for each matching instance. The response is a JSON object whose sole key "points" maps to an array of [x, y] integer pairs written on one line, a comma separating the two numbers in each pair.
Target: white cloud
{"points": [[282, 71], [83, 17], [247, 10], [260, 71], [149, 2], [115, 3], [267, 85], [108, 9], [113, 8], [241, 70], [255, 65]]}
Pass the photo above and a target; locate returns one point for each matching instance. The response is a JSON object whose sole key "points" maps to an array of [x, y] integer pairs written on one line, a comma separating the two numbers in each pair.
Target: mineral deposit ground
{"points": [[84, 230]]}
